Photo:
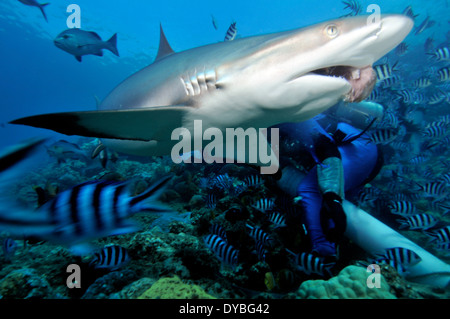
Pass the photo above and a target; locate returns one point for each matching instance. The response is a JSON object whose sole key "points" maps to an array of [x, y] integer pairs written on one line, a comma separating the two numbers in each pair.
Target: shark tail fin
{"points": [[111, 44], [41, 6]]}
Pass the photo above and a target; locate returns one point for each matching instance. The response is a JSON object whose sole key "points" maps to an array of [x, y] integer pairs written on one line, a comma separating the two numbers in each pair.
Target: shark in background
{"points": [[254, 82]]}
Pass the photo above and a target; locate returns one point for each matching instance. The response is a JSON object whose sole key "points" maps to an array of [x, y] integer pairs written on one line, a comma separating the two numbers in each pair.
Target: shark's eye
{"points": [[332, 30]]}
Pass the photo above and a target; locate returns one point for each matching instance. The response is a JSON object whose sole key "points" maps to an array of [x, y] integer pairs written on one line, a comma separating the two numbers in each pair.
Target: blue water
{"points": [[36, 77]]}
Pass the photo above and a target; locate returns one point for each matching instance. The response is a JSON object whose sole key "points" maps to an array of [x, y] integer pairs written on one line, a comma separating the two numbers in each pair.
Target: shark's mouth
{"points": [[362, 80]]}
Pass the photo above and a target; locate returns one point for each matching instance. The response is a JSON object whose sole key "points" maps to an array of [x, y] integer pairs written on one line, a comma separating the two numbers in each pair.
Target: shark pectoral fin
{"points": [[78, 57], [156, 123]]}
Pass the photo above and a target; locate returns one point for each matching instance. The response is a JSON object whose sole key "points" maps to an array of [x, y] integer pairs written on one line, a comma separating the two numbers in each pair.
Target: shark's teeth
{"points": [[356, 74]]}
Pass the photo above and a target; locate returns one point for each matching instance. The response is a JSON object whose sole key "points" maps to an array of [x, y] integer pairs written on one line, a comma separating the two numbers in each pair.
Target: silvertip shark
{"points": [[258, 82]]}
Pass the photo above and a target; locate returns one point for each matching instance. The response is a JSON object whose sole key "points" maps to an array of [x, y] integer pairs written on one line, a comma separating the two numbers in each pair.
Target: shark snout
{"points": [[394, 28]]}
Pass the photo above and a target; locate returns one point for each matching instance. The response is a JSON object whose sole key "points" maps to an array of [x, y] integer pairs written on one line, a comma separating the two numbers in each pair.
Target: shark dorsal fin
{"points": [[164, 46]]}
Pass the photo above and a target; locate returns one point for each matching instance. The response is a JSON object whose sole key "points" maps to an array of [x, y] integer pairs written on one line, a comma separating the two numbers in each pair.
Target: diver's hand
{"points": [[332, 205]]}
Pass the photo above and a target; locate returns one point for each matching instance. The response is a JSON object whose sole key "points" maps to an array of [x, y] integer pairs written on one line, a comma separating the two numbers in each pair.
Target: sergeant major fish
{"points": [[402, 207], [259, 235], [224, 251], [79, 42], [418, 222], [383, 136], [441, 54], [85, 212], [110, 257], [440, 235], [403, 256], [231, 32], [311, 264], [264, 204]]}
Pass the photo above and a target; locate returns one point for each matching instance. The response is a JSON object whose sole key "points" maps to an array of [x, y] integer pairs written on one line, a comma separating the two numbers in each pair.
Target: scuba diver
{"points": [[338, 166]]}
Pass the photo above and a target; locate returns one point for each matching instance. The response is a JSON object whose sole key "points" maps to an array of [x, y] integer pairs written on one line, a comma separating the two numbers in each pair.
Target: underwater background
{"points": [[168, 257]]}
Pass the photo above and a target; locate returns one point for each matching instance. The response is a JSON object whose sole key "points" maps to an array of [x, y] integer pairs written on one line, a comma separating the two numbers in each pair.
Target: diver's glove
{"points": [[332, 209]]}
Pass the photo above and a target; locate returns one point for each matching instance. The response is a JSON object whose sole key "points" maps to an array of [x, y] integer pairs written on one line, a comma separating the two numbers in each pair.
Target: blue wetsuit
{"points": [[361, 162]]}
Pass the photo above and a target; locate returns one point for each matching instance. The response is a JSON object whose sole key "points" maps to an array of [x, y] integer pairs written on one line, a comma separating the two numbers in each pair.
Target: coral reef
{"points": [[26, 283], [351, 283], [174, 288]]}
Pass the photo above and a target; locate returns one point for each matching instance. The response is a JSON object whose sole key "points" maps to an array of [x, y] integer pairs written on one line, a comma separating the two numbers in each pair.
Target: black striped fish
{"points": [[110, 257], [368, 195], [383, 136], [264, 204], [441, 235], [402, 207], [210, 200], [434, 189], [441, 54], [435, 130], [407, 96], [417, 222], [445, 118], [419, 159], [311, 264], [436, 98], [389, 120], [445, 178], [375, 95], [261, 250], [277, 219], [260, 235], [224, 251], [384, 71], [223, 182], [444, 74], [422, 83], [403, 256], [218, 230], [231, 32], [253, 181], [389, 82], [85, 212]]}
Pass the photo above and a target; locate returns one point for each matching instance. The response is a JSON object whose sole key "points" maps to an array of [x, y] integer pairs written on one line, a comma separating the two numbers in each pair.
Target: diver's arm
{"points": [[330, 175], [330, 172]]}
